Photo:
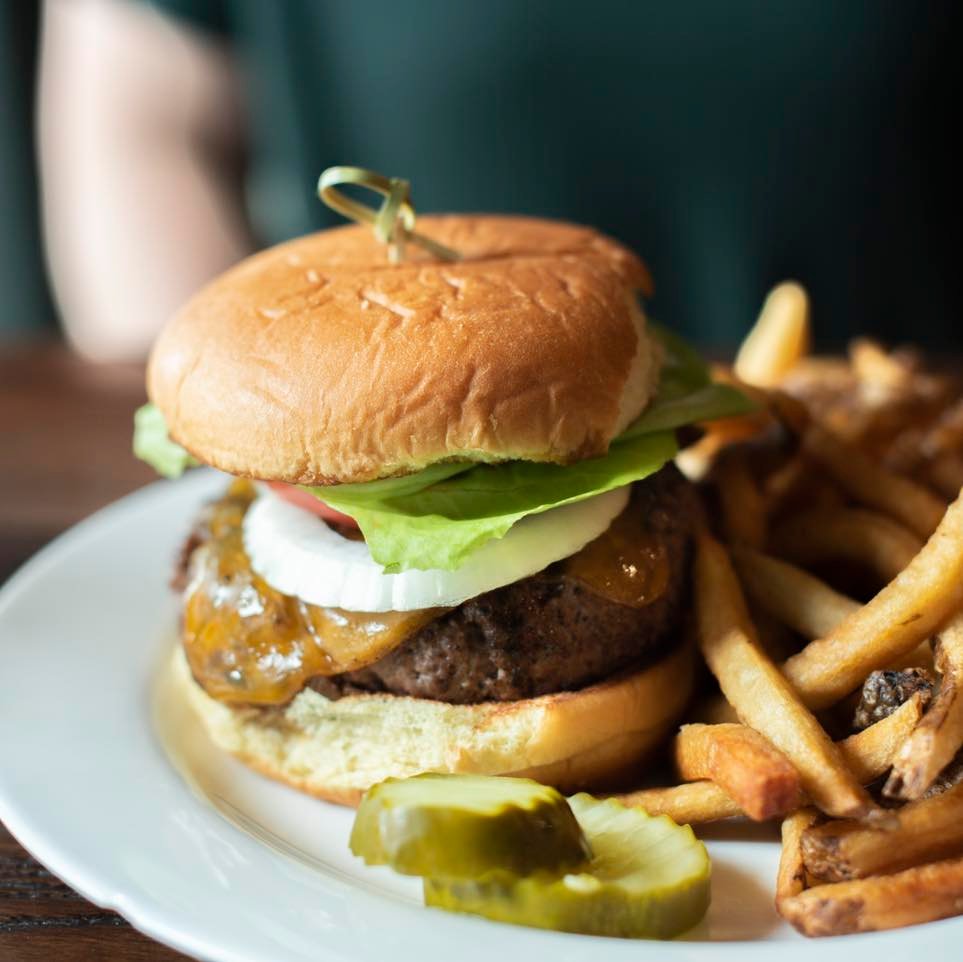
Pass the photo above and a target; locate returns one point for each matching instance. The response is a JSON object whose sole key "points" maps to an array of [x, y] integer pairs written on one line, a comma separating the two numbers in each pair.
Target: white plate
{"points": [[110, 784]]}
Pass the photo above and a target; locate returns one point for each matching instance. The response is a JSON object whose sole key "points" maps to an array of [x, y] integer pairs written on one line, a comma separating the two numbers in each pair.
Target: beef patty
{"points": [[561, 629], [549, 632]]}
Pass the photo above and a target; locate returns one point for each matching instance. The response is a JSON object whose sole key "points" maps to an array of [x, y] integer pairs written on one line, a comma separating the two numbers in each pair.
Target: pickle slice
{"points": [[648, 878], [463, 826]]}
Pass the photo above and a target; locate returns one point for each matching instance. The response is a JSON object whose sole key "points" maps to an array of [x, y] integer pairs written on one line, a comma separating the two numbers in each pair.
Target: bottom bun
{"points": [[336, 750]]}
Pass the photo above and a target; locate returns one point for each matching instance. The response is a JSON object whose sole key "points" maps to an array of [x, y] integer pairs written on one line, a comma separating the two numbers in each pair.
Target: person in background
{"points": [[732, 144]]}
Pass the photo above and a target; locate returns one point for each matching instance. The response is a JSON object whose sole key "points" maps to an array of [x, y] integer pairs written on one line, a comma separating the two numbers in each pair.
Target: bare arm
{"points": [[138, 120]]}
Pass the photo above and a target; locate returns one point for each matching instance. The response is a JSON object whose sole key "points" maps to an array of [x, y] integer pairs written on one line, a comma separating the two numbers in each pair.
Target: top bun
{"points": [[319, 362]]}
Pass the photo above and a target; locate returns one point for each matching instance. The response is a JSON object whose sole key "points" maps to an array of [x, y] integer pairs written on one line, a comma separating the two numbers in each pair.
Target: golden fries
{"points": [[791, 879], [842, 473], [939, 736], [867, 482], [920, 894], [924, 831], [759, 693], [869, 753], [756, 776], [793, 596], [879, 370], [778, 340], [691, 803], [696, 460], [863, 538], [907, 611]]}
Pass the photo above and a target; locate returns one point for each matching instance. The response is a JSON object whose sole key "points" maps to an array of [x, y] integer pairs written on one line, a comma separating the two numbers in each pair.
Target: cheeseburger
{"points": [[455, 540]]}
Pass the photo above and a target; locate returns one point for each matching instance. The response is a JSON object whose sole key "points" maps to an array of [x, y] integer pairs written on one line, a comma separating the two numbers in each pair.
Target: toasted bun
{"points": [[336, 750], [318, 362]]}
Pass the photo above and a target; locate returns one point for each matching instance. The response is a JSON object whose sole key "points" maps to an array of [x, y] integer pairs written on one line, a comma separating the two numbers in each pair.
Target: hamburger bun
{"points": [[318, 362], [336, 750]]}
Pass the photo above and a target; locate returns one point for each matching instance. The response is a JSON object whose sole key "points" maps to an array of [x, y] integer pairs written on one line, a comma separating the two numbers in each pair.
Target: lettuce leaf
{"points": [[153, 445], [376, 492], [704, 404], [440, 525]]}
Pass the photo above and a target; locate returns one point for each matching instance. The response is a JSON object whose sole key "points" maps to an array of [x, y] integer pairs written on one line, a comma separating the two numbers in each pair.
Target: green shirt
{"points": [[731, 144]]}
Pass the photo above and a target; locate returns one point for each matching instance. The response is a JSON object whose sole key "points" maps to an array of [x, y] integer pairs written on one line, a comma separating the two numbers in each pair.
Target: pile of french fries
{"points": [[832, 549]]}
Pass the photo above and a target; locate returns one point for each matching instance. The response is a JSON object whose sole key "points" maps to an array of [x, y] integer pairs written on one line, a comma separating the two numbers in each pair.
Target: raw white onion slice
{"points": [[298, 554]]}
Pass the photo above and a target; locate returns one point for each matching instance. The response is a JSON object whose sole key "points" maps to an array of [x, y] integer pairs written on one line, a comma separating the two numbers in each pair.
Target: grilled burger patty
{"points": [[616, 603], [546, 633]]}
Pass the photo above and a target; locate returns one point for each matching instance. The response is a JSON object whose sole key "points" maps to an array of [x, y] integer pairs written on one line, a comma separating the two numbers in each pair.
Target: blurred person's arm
{"points": [[139, 119]]}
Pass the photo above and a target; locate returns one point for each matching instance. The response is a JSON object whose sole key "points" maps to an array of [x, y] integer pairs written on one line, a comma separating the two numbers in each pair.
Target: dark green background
{"points": [[26, 304], [733, 144]]}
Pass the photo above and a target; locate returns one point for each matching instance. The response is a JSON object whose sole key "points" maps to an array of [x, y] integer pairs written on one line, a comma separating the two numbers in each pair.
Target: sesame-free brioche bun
{"points": [[319, 362], [336, 750]]}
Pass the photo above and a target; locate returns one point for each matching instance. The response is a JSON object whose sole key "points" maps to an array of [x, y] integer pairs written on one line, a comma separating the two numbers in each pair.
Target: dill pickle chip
{"points": [[648, 878], [464, 826]]}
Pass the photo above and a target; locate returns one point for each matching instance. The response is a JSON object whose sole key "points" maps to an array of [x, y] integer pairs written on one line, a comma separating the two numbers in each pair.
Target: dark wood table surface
{"points": [[65, 430]]}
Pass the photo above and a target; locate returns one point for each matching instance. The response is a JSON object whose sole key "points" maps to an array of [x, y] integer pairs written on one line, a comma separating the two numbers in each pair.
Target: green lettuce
{"points": [[440, 525], [153, 444]]}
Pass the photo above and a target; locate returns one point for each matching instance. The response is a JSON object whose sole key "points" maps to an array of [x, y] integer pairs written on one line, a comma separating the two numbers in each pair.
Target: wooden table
{"points": [[65, 430]]}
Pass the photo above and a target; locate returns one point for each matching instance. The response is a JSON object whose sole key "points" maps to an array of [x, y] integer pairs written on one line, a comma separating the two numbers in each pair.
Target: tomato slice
{"points": [[306, 500]]}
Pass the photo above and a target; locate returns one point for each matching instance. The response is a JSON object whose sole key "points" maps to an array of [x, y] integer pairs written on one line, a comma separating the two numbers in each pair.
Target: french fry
{"points": [[903, 454], [863, 538], [820, 374], [743, 507], [947, 433], [779, 338], [878, 370], [924, 831], [871, 485], [921, 894], [761, 695], [907, 611], [756, 776], [939, 735], [691, 803], [791, 878], [880, 452], [696, 460], [868, 754], [793, 596]]}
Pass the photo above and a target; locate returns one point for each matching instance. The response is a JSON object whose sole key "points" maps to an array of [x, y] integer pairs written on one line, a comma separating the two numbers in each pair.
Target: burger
{"points": [[454, 539]]}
